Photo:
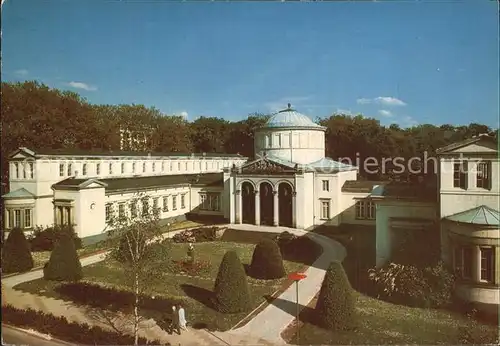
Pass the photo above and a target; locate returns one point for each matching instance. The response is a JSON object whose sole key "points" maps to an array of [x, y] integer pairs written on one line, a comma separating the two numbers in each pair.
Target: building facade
{"points": [[289, 183]]}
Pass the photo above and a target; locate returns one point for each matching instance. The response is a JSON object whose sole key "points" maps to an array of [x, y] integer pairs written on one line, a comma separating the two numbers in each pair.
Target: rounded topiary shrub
{"points": [[231, 293], [335, 307], [64, 264], [16, 253], [267, 262]]}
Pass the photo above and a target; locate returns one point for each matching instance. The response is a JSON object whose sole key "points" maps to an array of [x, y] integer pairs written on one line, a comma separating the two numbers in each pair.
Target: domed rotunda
{"points": [[291, 136]]}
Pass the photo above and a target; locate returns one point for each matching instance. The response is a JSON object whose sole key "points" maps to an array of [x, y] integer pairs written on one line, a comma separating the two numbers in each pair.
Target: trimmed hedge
{"points": [[64, 264], [335, 307], [231, 293], [97, 296], [46, 239], [61, 328], [267, 262], [16, 254]]}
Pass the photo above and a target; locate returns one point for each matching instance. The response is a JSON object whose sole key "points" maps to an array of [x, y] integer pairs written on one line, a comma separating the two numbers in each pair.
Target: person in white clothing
{"points": [[182, 317]]}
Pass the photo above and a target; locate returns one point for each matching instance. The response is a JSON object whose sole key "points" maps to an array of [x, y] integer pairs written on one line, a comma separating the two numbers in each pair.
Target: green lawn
{"points": [[196, 291], [381, 323]]}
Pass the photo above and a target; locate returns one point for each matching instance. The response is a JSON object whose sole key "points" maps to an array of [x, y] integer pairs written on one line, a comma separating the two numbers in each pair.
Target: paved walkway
{"points": [[264, 329], [270, 322]]}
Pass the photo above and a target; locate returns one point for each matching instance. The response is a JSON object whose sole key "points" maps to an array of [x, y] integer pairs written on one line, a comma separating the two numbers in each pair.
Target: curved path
{"points": [[270, 322], [264, 329]]}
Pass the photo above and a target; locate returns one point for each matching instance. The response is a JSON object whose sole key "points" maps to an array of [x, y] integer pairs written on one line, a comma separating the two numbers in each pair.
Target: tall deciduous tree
{"points": [[136, 246]]}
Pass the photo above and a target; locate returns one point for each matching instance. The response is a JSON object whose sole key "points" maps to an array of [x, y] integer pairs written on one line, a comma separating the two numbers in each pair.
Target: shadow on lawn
{"points": [[199, 294]]}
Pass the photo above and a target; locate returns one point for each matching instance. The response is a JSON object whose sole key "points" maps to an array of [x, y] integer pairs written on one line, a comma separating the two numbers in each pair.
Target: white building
{"points": [[290, 182]]}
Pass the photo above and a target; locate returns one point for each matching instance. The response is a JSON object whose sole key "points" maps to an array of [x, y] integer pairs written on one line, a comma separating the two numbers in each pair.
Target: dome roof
{"points": [[290, 118]]}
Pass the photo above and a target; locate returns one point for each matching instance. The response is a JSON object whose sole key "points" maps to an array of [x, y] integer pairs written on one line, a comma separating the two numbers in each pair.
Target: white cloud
{"points": [[184, 114], [81, 85], [343, 111], [21, 72], [385, 113], [382, 100]]}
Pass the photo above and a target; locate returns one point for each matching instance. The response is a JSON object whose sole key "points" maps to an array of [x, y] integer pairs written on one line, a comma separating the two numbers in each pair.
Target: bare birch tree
{"points": [[137, 234]]}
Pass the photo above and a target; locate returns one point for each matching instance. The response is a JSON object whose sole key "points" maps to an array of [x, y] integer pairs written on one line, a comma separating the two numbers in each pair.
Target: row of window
{"points": [[365, 210], [135, 168], [145, 206], [21, 218], [210, 201], [483, 175], [285, 140], [463, 262], [23, 170]]}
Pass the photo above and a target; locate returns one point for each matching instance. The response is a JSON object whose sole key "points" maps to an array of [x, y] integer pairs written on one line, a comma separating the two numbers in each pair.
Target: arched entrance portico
{"points": [[248, 203], [285, 205], [266, 204]]}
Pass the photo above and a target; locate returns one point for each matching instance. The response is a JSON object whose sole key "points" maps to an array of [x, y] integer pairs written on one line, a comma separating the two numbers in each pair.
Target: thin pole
{"points": [[297, 282]]}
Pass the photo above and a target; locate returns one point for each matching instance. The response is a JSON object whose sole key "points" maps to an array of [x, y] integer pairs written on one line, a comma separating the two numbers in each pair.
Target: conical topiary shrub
{"points": [[335, 307], [64, 264], [231, 293], [16, 253], [267, 262]]}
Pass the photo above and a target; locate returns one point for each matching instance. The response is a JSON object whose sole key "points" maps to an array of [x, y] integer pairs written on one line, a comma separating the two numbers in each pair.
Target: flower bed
{"points": [[191, 268], [198, 235], [60, 327]]}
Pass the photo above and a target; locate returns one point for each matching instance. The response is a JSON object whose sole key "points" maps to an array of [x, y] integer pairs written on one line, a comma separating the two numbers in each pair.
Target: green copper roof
{"points": [[291, 118], [481, 215], [19, 193]]}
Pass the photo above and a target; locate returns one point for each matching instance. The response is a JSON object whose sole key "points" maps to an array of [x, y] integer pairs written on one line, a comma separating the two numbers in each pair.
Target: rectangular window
{"points": [[206, 166], [483, 177], [110, 168], [215, 202], [15, 171], [171, 166], [163, 166], [178, 166], [84, 169], [98, 168], [70, 169], [133, 209], [145, 207], [174, 202], [460, 175], [32, 170], [121, 210], [165, 203], [154, 166], [122, 169], [467, 262], [186, 166], [155, 204], [326, 185], [17, 218], [199, 165], [25, 168], [144, 166], [487, 267], [108, 212], [133, 167], [203, 202], [183, 201], [61, 170], [27, 218], [365, 210], [325, 210]]}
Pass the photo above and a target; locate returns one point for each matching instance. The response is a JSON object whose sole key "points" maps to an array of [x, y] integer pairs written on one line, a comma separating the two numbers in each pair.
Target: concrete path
{"points": [[264, 329], [271, 321]]}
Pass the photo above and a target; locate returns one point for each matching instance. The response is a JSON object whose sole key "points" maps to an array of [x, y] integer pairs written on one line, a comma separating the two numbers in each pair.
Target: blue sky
{"points": [[399, 61]]}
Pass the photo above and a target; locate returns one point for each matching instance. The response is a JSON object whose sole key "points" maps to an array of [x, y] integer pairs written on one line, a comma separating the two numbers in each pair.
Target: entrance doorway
{"points": [[266, 204], [248, 200], [285, 205]]}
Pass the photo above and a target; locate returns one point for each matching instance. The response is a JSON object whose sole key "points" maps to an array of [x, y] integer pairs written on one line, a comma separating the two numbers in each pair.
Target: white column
{"points": [[257, 207], [6, 216], [294, 209], [476, 263], [238, 209], [276, 214]]}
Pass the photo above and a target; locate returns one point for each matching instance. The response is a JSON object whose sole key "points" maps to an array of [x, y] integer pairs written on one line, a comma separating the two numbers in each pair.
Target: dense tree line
{"points": [[36, 116]]}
